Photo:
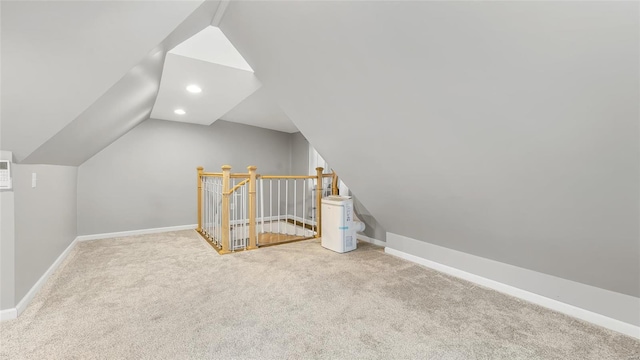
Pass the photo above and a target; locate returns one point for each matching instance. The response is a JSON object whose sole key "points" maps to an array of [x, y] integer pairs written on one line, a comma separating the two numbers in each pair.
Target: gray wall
{"points": [[7, 250], [7, 241], [300, 165], [45, 220], [147, 178], [374, 229], [507, 130], [299, 154]]}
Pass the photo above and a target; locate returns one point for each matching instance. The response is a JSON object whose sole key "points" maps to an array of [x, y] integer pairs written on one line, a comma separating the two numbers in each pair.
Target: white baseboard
{"points": [[559, 287], [22, 305], [135, 232], [13, 313], [8, 314], [371, 240]]}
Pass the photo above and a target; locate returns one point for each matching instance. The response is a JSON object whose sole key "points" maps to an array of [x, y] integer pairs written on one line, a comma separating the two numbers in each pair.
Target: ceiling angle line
{"points": [[217, 18]]}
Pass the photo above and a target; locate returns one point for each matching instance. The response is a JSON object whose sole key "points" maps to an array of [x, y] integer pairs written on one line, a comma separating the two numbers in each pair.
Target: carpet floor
{"points": [[171, 296]]}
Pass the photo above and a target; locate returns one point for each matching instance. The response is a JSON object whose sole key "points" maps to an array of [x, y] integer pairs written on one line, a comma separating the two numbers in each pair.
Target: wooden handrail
{"points": [[272, 177], [266, 177], [227, 190], [238, 186], [237, 175]]}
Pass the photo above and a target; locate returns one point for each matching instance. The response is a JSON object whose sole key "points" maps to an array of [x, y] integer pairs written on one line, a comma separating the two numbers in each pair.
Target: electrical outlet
{"points": [[33, 180]]}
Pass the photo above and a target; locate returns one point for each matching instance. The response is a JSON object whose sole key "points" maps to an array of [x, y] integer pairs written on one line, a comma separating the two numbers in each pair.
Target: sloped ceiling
{"points": [[212, 46], [69, 60], [122, 107], [228, 86], [223, 87], [507, 130], [261, 110], [59, 57]]}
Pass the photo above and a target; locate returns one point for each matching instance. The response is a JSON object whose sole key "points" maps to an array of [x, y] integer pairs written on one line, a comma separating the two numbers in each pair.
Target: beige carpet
{"points": [[170, 296]]}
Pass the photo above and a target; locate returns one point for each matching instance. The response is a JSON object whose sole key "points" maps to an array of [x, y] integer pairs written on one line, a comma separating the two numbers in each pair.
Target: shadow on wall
{"points": [[374, 229]]}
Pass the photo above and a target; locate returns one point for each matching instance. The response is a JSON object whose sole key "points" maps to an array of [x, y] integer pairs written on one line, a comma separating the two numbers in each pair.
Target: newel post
{"points": [[226, 228], [319, 171], [200, 169], [334, 184], [252, 207]]}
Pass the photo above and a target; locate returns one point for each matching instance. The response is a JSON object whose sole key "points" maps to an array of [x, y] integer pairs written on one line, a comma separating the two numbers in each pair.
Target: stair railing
{"points": [[232, 214]]}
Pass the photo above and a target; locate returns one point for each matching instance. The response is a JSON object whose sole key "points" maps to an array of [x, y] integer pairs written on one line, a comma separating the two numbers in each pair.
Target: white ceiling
{"points": [[223, 88], [211, 45], [261, 110], [209, 60], [78, 75], [59, 57], [121, 108]]}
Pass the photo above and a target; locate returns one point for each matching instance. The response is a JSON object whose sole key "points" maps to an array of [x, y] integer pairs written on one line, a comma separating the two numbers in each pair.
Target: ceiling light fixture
{"points": [[194, 89], [180, 112]]}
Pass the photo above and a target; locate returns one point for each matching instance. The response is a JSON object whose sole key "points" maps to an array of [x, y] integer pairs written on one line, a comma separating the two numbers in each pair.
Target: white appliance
{"points": [[5, 174], [339, 224]]}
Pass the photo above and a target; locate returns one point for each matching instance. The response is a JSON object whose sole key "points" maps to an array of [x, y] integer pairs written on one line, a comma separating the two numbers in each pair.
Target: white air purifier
{"points": [[339, 224]]}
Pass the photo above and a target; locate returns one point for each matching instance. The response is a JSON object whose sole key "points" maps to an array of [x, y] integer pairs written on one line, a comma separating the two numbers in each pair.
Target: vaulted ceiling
{"points": [[58, 58], [507, 130], [209, 62], [78, 75]]}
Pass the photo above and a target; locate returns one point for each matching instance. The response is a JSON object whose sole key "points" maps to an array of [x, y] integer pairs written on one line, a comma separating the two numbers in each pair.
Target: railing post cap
{"points": [[226, 167], [319, 168], [252, 168], [200, 168]]}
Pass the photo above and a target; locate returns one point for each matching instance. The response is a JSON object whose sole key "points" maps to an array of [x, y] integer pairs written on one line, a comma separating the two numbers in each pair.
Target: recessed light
{"points": [[194, 89], [180, 112]]}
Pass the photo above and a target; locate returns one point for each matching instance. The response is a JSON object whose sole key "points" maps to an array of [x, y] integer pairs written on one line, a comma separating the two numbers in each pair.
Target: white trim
{"points": [[586, 315], [13, 313], [22, 305], [8, 314], [135, 232], [371, 240]]}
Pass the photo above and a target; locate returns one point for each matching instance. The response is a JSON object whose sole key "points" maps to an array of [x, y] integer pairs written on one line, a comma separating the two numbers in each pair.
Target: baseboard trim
{"points": [[135, 232], [26, 300], [371, 240], [8, 314], [13, 313], [571, 310]]}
